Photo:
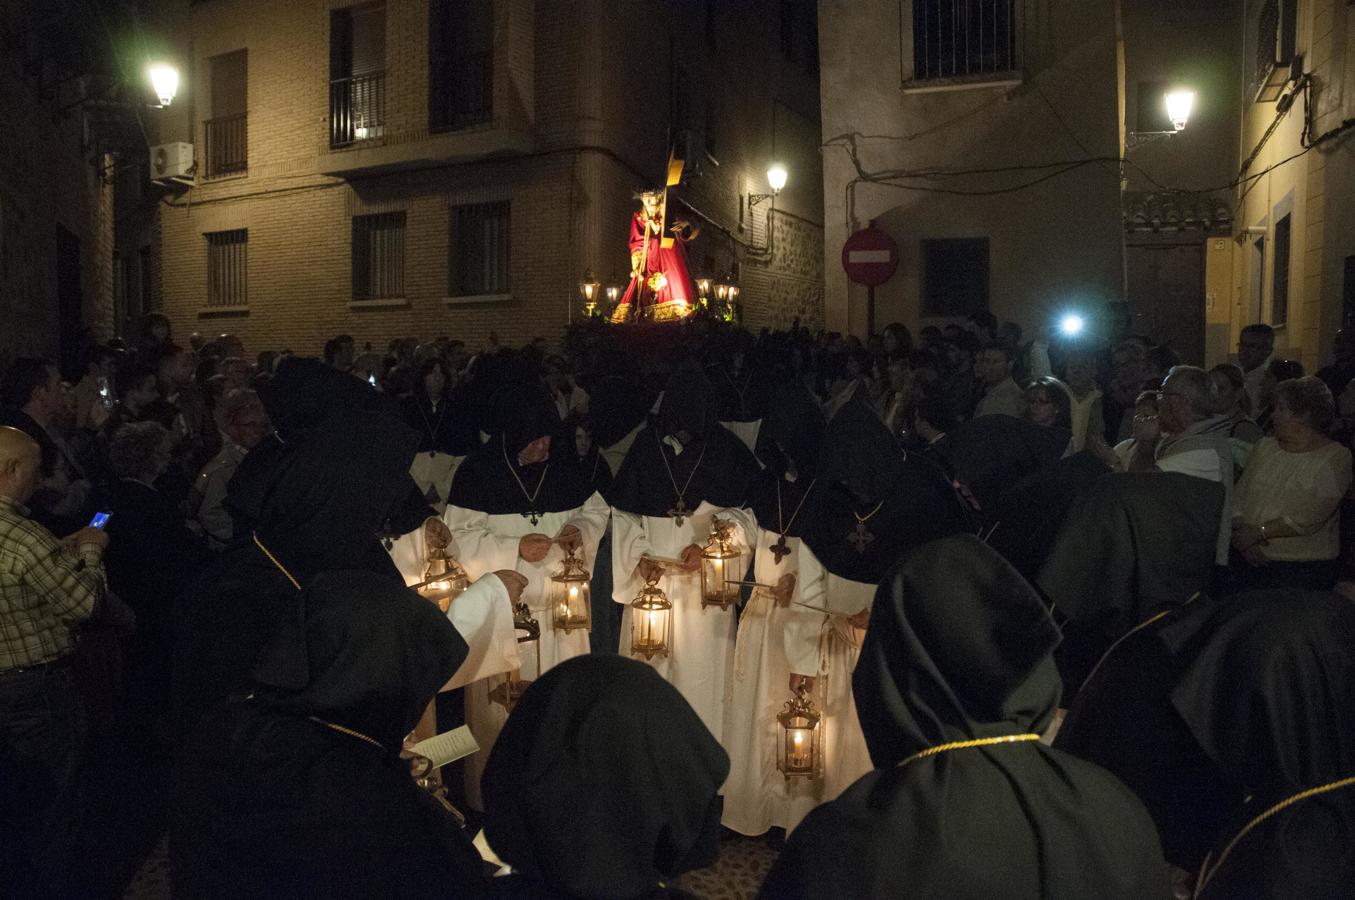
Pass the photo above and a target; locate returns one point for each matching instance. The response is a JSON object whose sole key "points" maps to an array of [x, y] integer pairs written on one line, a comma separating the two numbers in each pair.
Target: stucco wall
{"points": [[1053, 246]]}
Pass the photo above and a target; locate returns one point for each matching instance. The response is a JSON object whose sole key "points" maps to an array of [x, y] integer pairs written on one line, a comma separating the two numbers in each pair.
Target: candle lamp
{"points": [[443, 578], [651, 615], [570, 596], [722, 567], [800, 751]]}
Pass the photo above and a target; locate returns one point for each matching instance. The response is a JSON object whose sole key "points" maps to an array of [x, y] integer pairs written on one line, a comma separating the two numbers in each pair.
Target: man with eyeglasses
{"points": [[1196, 440]]}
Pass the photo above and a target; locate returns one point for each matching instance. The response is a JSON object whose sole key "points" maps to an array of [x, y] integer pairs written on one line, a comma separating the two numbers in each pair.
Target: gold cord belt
{"points": [[964, 745]]}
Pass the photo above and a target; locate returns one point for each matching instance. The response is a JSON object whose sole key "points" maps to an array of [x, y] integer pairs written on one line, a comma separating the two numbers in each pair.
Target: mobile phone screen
{"points": [[100, 520]]}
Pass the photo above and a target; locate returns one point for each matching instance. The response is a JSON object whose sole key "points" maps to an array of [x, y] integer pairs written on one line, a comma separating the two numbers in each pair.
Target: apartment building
{"points": [[428, 167]]}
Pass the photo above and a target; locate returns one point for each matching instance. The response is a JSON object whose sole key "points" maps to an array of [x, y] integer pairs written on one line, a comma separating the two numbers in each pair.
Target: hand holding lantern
{"points": [[443, 578]]}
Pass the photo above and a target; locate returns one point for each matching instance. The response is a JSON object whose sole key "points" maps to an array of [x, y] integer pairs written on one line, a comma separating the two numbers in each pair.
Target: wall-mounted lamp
{"points": [[1180, 102], [776, 180], [164, 80]]}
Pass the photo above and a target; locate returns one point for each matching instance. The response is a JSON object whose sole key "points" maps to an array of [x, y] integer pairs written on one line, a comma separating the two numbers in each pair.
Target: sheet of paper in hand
{"points": [[448, 746]]}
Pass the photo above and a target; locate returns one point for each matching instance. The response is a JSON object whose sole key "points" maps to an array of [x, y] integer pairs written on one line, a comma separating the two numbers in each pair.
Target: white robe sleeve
{"points": [[804, 628], [479, 548], [484, 617], [630, 541], [591, 520]]}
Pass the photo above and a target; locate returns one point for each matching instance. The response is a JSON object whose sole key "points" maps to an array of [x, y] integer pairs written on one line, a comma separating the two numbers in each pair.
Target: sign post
{"points": [[870, 257]]}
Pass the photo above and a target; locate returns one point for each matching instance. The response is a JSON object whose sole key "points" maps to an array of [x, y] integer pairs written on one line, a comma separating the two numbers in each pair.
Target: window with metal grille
{"points": [[1279, 273], [226, 132], [1270, 36], [379, 256], [956, 38], [478, 250], [460, 63], [228, 268], [954, 276]]}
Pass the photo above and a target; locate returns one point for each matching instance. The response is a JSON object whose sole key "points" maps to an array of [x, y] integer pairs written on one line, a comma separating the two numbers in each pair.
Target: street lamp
{"points": [[1179, 102], [1179, 105], [776, 180], [776, 177], [164, 80]]}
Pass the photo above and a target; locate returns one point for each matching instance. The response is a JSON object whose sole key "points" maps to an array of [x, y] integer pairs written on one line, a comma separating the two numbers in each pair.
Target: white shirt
{"points": [[1002, 399], [1303, 490], [1251, 383]]}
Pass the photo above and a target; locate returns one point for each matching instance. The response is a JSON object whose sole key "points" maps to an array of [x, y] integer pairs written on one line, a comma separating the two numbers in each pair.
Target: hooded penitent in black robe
{"points": [[991, 453], [316, 497], [711, 475], [958, 649], [603, 784], [269, 802], [643, 487], [490, 511], [1133, 544], [1270, 696], [1027, 517], [520, 414], [863, 467], [1122, 719]]}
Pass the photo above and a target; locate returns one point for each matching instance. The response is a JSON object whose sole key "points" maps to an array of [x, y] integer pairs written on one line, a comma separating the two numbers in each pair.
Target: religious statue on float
{"points": [[661, 287]]}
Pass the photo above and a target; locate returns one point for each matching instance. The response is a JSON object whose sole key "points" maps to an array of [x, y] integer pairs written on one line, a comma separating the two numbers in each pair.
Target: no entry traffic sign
{"points": [[870, 257]]}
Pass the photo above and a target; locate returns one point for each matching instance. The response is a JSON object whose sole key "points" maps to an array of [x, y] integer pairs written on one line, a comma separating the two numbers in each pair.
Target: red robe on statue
{"points": [[667, 291]]}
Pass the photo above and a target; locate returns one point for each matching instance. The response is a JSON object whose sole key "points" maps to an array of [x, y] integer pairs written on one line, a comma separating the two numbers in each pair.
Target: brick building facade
{"points": [[424, 167]]}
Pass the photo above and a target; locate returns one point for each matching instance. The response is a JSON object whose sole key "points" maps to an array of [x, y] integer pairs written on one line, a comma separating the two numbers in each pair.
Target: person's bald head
{"points": [[20, 460]]}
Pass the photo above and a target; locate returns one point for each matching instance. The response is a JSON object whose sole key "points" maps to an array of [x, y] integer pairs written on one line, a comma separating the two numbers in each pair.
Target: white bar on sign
{"points": [[868, 256]]}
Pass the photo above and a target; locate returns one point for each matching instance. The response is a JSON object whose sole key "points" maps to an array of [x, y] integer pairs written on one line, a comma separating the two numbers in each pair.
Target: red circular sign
{"points": [[870, 257]]}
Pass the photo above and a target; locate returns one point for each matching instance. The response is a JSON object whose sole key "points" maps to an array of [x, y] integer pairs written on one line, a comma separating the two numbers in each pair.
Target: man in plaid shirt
{"points": [[46, 587]]}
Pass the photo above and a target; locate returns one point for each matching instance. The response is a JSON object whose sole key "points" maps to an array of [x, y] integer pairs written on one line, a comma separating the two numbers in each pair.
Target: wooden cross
{"points": [[679, 513], [779, 549], [860, 537]]}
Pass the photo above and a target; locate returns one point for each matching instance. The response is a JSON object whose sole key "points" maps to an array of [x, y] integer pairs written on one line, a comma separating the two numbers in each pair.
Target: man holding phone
{"points": [[47, 586]]}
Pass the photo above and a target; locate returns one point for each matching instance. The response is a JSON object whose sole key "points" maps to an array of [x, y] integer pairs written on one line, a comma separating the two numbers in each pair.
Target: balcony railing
{"points": [[357, 108], [227, 145], [461, 92]]}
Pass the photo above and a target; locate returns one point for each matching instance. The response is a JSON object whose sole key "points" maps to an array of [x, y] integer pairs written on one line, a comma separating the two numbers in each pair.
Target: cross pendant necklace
{"points": [[679, 513], [531, 512], [861, 537], [780, 549]]}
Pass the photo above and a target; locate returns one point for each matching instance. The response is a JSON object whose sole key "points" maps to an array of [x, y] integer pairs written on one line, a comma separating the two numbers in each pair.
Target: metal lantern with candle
{"points": [[570, 596], [443, 578], [722, 567], [799, 753], [507, 692], [651, 616]]}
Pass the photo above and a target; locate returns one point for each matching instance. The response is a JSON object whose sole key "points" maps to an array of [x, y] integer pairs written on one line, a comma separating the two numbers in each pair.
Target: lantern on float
{"points": [[571, 601], [651, 616], [722, 567], [443, 578], [508, 691], [799, 753]]}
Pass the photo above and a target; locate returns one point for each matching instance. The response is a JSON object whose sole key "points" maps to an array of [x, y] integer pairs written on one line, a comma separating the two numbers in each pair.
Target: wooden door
{"points": [[1166, 295]]}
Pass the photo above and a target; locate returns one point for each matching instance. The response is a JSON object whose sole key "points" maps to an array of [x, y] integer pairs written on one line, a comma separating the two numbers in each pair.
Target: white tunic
{"points": [[489, 543], [772, 643], [701, 641]]}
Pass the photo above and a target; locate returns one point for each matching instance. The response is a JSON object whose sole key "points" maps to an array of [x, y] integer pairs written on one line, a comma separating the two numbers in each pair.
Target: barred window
{"points": [[956, 38], [478, 250], [379, 256], [228, 268]]}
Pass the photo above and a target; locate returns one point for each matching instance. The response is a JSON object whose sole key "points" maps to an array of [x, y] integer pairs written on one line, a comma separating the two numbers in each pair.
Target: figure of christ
{"points": [[661, 287]]}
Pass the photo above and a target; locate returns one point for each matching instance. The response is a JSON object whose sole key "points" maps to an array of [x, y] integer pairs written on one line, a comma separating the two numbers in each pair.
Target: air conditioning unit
{"points": [[172, 162]]}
